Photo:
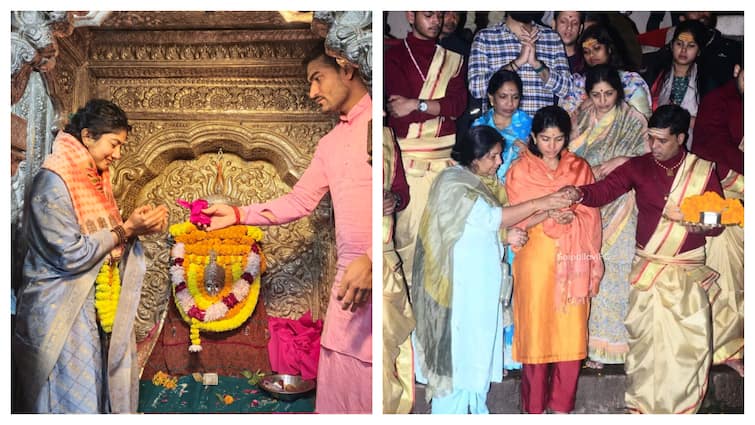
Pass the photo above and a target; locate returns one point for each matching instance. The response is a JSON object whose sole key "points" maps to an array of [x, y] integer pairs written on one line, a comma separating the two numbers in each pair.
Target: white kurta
{"points": [[477, 317]]}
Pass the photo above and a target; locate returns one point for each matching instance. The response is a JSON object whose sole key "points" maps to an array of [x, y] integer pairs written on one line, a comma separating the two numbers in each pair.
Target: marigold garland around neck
{"points": [[107, 292], [237, 251]]}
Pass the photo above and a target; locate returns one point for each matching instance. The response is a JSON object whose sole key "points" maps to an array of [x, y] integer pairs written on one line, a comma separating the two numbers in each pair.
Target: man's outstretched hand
{"points": [[221, 216]]}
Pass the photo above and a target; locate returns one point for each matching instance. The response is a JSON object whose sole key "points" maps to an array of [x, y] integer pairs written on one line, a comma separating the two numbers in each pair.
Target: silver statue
{"points": [[214, 275]]}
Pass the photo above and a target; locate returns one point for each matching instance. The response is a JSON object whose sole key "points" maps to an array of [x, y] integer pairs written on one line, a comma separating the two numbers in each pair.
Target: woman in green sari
{"points": [[606, 131]]}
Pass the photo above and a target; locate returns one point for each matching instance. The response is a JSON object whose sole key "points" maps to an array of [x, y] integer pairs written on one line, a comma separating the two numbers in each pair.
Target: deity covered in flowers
{"points": [[222, 305]]}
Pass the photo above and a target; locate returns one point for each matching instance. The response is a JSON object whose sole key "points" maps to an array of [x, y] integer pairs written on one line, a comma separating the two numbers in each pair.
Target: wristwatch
{"points": [[422, 106]]}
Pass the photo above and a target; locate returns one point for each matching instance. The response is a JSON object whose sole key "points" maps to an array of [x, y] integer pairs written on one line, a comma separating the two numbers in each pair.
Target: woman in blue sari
{"points": [[504, 94]]}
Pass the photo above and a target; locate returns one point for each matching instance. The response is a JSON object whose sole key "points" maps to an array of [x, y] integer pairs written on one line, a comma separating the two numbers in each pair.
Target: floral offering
{"points": [[731, 210], [236, 251], [164, 380]]}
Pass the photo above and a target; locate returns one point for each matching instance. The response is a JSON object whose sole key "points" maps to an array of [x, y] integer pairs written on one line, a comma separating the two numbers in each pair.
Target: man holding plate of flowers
{"points": [[669, 314]]}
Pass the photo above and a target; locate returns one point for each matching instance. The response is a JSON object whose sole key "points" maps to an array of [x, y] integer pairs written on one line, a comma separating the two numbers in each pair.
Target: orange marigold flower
{"points": [[731, 210], [228, 399]]}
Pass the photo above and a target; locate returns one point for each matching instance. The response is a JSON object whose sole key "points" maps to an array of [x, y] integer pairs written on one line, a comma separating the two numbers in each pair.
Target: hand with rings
{"points": [[561, 217], [516, 237]]}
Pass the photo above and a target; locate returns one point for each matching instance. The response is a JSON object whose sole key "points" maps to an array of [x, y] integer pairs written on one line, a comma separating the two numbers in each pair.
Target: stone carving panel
{"points": [[182, 19], [281, 96], [300, 254], [154, 145], [178, 52]]}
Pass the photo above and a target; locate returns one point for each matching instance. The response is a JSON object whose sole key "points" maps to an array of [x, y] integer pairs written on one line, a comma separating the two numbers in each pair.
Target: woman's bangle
{"points": [[540, 68], [120, 232], [237, 214], [513, 66]]}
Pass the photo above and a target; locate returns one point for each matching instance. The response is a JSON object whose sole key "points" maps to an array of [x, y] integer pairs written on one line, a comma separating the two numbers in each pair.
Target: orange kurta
{"points": [[559, 268], [544, 333]]}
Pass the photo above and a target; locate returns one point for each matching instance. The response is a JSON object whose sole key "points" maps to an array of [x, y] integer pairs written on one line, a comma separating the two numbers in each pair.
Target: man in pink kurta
{"points": [[340, 166]]}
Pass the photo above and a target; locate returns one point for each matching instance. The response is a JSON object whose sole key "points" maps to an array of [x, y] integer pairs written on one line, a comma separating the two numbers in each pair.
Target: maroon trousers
{"points": [[550, 385]]}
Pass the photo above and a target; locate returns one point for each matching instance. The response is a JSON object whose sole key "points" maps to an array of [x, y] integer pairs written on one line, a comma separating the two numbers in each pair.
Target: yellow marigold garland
{"points": [[106, 294], [732, 211], [232, 306]]}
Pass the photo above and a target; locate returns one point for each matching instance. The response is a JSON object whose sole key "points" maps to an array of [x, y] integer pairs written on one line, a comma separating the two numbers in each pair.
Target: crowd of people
{"points": [[546, 167]]}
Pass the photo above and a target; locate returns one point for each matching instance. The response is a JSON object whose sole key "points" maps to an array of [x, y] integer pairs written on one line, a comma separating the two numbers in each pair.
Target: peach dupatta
{"points": [[579, 266]]}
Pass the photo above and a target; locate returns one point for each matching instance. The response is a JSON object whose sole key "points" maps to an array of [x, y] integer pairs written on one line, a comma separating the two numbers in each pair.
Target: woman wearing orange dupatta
{"points": [[556, 272]]}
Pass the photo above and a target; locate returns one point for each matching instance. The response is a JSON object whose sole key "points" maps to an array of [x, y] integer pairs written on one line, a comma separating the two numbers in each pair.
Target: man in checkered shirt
{"points": [[532, 50]]}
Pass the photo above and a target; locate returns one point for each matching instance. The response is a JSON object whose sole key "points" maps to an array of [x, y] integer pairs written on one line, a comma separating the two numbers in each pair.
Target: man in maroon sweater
{"points": [[425, 93], [668, 319], [719, 137]]}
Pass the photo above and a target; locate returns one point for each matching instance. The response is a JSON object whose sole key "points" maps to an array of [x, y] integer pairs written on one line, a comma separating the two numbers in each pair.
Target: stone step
{"points": [[602, 391]]}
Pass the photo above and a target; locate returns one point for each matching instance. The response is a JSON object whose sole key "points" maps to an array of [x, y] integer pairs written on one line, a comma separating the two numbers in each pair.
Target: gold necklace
{"points": [[670, 170]]}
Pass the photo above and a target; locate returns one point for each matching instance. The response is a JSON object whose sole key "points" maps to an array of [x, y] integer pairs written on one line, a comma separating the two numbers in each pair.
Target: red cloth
{"points": [[402, 78], [719, 128], [655, 38], [295, 345], [650, 184], [550, 385], [228, 353]]}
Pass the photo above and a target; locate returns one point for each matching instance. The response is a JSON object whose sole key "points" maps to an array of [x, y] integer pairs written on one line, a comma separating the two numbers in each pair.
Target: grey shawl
{"points": [[452, 196]]}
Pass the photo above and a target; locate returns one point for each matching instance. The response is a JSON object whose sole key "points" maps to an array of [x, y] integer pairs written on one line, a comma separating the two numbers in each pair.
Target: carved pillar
{"points": [[348, 38], [17, 142], [33, 51], [33, 45]]}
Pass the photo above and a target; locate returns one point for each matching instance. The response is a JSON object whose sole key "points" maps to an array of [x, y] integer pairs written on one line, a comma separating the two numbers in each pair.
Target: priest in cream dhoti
{"points": [[669, 314]]}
